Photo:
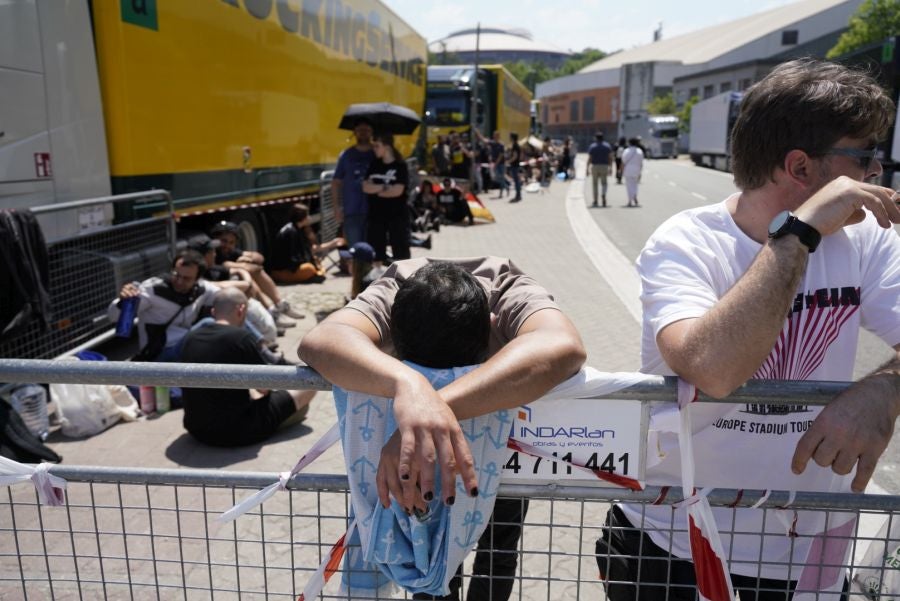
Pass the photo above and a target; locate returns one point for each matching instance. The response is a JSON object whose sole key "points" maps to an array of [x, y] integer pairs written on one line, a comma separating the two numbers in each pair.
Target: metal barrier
{"points": [[86, 269], [145, 533]]}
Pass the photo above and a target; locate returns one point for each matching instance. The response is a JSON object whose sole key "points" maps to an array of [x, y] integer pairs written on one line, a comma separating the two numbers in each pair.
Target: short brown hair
{"points": [[805, 104], [298, 213]]}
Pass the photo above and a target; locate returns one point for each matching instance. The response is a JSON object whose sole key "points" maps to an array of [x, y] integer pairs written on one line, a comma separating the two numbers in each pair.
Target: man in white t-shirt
{"points": [[773, 283]]}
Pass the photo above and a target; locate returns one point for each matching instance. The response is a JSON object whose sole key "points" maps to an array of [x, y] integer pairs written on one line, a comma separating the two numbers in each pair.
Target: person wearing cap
{"points": [[351, 206], [260, 320], [230, 255], [361, 258], [296, 251]]}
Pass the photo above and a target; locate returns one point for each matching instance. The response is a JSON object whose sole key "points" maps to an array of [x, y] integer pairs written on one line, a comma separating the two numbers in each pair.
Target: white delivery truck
{"points": [[711, 123], [658, 133]]}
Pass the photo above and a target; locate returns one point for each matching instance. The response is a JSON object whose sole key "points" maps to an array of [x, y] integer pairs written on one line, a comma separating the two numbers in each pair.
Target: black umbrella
{"points": [[384, 117]]}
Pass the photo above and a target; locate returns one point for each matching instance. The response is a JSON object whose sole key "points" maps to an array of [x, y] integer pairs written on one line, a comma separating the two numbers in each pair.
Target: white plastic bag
{"points": [[128, 405], [84, 409], [878, 575]]}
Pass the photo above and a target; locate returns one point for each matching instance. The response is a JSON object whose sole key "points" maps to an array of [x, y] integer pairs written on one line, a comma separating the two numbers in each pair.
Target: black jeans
{"points": [[649, 573], [496, 556], [389, 225]]}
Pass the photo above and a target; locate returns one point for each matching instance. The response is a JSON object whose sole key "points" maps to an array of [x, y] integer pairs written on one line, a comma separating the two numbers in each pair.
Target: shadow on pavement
{"points": [[188, 452]]}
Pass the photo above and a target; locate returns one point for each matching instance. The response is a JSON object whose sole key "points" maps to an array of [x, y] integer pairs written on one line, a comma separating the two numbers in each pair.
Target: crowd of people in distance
{"points": [[493, 165]]}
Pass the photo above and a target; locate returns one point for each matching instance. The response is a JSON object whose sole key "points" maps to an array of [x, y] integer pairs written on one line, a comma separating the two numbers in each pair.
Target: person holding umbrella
{"points": [[386, 185]]}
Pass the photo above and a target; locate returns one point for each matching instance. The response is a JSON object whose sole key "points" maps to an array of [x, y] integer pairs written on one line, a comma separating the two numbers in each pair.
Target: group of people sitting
{"points": [[221, 304]]}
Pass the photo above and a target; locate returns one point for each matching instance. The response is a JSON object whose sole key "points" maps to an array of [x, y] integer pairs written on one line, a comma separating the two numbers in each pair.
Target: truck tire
{"points": [[252, 230]]}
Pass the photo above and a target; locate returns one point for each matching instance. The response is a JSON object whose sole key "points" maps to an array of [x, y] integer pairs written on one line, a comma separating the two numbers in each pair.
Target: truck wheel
{"points": [[251, 230]]}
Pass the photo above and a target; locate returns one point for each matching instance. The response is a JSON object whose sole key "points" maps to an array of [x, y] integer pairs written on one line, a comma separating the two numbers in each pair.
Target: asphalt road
{"points": [[670, 186]]}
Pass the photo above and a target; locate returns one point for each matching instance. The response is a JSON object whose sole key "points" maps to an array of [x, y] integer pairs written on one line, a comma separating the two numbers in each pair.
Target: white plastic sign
{"points": [[606, 435]]}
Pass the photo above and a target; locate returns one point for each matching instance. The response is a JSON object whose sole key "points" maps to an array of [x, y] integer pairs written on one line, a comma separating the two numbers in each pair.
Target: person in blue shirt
{"points": [[600, 154], [351, 206]]}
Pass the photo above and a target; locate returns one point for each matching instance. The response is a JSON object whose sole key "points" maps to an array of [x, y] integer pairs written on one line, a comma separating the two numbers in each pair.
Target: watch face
{"points": [[778, 222]]}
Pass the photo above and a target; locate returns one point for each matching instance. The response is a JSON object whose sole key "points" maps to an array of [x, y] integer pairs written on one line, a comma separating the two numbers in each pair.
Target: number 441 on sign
{"points": [[560, 435]]}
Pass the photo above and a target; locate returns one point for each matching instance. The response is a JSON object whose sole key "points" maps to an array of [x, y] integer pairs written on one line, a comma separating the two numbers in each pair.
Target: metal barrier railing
{"points": [[139, 533], [87, 268]]}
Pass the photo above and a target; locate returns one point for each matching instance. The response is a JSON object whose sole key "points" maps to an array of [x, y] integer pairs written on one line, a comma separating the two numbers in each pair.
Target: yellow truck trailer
{"points": [[232, 106]]}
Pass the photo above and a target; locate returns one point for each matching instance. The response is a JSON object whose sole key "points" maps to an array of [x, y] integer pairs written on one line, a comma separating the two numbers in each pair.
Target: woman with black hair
{"points": [[386, 184]]}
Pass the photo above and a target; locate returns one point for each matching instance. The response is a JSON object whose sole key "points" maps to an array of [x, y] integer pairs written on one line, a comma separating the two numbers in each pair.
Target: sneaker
{"points": [[280, 320], [426, 244], [285, 308]]}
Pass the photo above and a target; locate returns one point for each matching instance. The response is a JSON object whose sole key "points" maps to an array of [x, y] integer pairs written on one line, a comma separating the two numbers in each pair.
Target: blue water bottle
{"points": [[127, 312]]}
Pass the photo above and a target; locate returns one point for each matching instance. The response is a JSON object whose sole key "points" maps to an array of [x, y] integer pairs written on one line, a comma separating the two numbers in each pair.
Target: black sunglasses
{"points": [[864, 156]]}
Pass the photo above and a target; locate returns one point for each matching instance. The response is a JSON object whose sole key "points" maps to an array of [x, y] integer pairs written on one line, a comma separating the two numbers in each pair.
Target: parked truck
{"points": [[230, 107], [503, 103], [658, 133], [710, 136]]}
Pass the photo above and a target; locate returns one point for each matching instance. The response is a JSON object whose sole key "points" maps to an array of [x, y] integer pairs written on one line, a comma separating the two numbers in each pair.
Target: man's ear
{"points": [[798, 167]]}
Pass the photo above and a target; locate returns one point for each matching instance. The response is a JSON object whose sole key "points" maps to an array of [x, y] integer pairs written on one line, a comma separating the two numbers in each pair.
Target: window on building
{"points": [[744, 84], [725, 86], [587, 109], [693, 92], [709, 91], [789, 37], [573, 111]]}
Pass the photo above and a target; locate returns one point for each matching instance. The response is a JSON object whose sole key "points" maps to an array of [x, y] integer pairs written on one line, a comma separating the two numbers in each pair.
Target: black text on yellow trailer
{"points": [[233, 106]]}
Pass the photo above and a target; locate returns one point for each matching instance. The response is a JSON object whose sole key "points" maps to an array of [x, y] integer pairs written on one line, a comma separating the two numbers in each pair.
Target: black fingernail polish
{"points": [[429, 495], [451, 500], [474, 491], [404, 477]]}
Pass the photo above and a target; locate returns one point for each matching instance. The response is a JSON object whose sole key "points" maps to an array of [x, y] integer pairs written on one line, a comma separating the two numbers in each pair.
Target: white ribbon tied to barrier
{"points": [[51, 489], [257, 498]]}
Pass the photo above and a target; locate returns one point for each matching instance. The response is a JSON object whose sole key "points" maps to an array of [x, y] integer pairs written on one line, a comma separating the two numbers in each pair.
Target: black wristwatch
{"points": [[785, 223]]}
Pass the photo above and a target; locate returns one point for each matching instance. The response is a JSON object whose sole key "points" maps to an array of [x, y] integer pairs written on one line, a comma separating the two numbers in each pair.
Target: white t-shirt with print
{"points": [[687, 265]]}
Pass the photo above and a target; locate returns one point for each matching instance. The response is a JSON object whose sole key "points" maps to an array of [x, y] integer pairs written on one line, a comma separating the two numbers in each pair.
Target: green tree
{"points": [[684, 115], [579, 60], [532, 73], [662, 105], [873, 21]]}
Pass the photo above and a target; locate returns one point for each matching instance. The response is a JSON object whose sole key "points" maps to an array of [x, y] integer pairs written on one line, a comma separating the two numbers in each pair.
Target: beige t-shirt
{"points": [[512, 296]]}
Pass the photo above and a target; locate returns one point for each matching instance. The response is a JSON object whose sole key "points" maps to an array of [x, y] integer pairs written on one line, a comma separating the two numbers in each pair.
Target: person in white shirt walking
{"points": [[632, 165]]}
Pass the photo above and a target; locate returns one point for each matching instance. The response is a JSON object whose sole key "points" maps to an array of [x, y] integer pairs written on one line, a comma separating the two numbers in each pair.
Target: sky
{"points": [[576, 24]]}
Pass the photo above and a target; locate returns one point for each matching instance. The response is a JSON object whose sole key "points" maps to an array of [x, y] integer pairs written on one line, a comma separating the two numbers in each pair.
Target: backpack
{"points": [[18, 443]]}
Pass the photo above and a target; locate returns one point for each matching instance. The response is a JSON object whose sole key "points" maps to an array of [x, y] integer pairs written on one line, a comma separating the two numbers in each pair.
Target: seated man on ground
{"points": [[532, 348], [452, 203], [169, 306], [296, 252], [260, 321], [426, 214], [230, 255], [234, 417]]}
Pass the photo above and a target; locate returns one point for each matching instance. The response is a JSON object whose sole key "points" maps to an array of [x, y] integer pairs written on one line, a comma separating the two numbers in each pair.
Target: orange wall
{"points": [[604, 101]]}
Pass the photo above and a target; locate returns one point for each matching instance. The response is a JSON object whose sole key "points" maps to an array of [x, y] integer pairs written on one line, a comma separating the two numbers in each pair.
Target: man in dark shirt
{"points": [[351, 207], [600, 154], [452, 205], [234, 417]]}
